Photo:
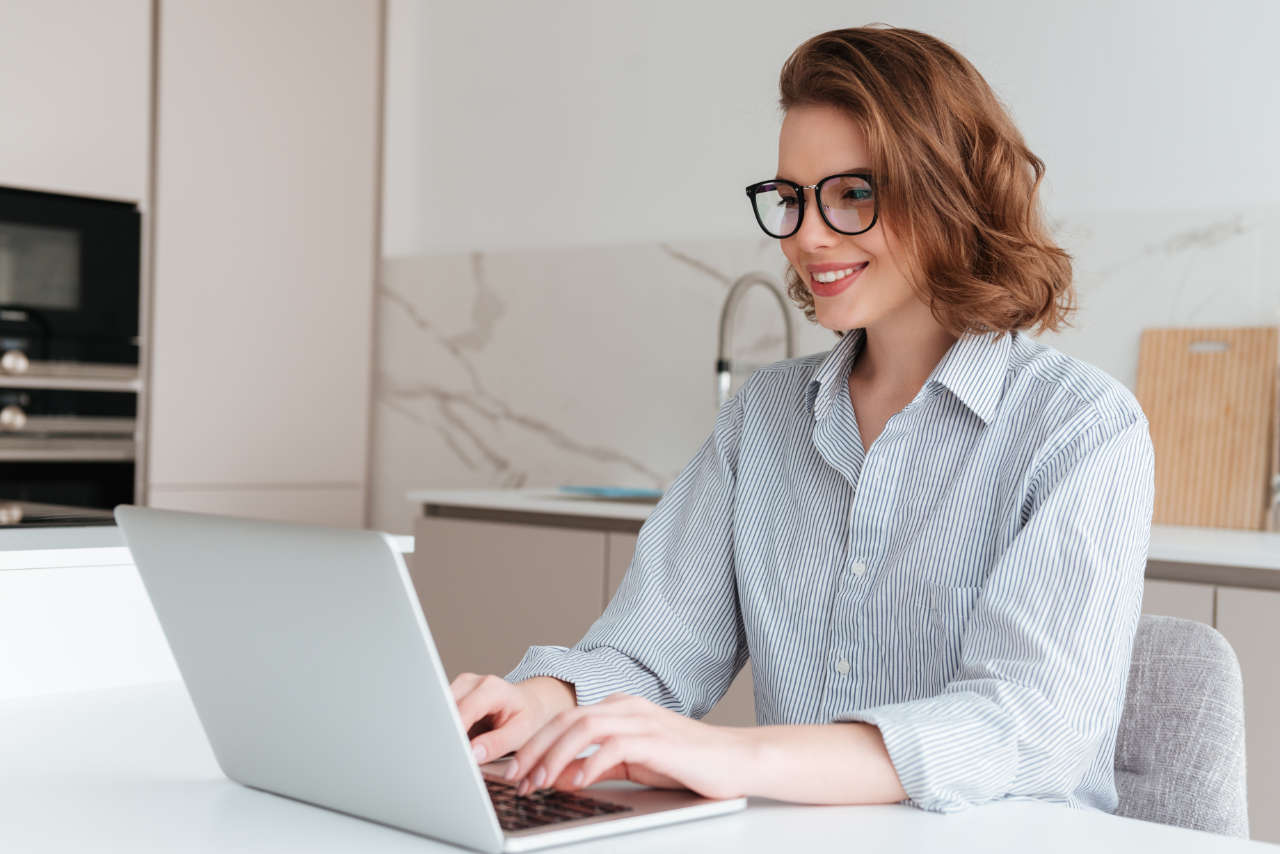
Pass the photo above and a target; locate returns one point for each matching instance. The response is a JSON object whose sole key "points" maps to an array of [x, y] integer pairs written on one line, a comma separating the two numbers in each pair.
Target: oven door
{"points": [[67, 446], [72, 483], [69, 272]]}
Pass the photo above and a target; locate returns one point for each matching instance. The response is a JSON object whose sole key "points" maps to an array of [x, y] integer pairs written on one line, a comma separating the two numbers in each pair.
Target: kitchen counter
{"points": [[79, 546], [1177, 553], [75, 545]]}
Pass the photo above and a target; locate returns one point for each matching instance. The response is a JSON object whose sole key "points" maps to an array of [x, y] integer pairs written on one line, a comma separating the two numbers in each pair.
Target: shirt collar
{"points": [[973, 370]]}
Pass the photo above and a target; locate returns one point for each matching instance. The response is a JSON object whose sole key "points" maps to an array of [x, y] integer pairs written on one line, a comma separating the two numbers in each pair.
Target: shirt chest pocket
{"points": [[949, 609], [921, 648]]}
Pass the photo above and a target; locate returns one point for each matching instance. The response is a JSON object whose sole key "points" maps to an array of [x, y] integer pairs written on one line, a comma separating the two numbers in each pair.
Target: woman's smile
{"points": [[829, 283]]}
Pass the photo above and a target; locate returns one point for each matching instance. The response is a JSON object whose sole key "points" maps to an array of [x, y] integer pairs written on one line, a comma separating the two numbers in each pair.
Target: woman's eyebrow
{"points": [[781, 177]]}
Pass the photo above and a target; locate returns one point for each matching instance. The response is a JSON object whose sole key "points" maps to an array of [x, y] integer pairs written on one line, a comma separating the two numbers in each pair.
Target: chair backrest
{"points": [[1180, 746]]}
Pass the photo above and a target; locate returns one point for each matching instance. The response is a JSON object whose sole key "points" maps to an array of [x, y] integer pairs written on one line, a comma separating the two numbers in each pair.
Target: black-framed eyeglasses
{"points": [[847, 203]]}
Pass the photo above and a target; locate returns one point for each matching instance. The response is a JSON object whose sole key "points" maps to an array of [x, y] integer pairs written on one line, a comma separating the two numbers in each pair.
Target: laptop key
{"points": [[543, 806]]}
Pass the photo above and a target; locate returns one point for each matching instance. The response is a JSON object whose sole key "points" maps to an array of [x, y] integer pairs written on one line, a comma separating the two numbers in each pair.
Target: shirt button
{"points": [[842, 666], [858, 568]]}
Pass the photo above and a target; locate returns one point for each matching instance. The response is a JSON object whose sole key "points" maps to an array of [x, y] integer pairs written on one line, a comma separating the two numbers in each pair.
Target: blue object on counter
{"points": [[613, 491]]}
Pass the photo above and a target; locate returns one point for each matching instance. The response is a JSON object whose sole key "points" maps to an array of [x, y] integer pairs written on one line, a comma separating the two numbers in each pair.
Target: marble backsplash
{"points": [[595, 365]]}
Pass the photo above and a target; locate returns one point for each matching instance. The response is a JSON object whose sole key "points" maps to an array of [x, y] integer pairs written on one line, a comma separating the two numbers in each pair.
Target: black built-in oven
{"points": [[69, 289]]}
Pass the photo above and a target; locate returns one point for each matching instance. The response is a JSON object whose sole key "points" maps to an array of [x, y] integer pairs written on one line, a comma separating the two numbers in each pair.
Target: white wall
{"points": [[647, 119]]}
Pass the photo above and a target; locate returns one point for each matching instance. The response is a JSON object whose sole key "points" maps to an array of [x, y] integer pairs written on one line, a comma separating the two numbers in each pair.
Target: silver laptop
{"points": [[311, 667]]}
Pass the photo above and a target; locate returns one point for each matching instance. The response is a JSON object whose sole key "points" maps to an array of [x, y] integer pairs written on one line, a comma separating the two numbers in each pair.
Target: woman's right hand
{"points": [[500, 717]]}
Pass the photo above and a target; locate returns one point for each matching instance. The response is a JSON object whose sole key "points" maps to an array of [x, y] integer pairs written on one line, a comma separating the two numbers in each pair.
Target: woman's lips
{"points": [[830, 289]]}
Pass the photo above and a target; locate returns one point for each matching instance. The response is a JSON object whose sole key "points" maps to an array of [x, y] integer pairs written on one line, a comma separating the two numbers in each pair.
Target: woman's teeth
{"points": [[834, 275]]}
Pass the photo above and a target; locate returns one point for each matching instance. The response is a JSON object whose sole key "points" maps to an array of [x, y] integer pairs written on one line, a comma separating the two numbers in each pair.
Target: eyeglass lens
{"points": [[847, 201]]}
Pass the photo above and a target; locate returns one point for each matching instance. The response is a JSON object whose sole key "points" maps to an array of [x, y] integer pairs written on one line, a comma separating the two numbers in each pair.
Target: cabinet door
{"points": [[1250, 620], [74, 84], [265, 239], [1178, 599], [490, 590], [737, 707]]}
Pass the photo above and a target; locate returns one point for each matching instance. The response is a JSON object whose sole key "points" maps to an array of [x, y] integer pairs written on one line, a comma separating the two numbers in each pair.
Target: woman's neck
{"points": [[899, 353]]}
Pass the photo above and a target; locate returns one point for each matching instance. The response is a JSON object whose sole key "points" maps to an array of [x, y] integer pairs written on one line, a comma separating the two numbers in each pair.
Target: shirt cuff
{"points": [[951, 751], [594, 674]]}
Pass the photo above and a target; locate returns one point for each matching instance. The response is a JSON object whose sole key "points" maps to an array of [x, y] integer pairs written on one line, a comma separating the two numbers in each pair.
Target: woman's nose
{"points": [[814, 231]]}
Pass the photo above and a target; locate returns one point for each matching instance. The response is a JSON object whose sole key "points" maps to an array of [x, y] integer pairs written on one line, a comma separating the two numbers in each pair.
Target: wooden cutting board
{"points": [[1210, 395]]}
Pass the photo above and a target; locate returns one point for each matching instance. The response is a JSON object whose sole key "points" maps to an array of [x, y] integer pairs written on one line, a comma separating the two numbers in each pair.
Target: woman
{"points": [[930, 541]]}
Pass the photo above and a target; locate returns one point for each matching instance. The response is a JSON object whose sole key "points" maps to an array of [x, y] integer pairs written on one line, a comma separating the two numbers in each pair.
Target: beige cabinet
{"points": [[75, 86], [1250, 621], [490, 590], [265, 213], [1183, 599]]}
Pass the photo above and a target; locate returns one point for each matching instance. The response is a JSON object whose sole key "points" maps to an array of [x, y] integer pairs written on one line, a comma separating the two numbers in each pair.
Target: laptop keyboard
{"points": [[543, 806]]}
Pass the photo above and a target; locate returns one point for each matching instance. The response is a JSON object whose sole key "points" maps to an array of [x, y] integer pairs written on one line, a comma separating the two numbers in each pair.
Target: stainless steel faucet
{"points": [[724, 369]]}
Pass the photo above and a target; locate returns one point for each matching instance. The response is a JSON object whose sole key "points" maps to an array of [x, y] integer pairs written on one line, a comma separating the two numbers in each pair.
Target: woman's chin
{"points": [[836, 318]]}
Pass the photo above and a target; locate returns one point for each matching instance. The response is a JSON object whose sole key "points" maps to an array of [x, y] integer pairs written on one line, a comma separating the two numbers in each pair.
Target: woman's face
{"points": [[817, 141]]}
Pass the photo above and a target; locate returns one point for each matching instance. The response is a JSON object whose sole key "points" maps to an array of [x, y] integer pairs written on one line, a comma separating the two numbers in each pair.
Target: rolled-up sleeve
{"points": [[1045, 653], [673, 632]]}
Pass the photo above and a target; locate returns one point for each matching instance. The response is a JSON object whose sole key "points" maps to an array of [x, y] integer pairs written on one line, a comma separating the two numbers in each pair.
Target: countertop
{"points": [[1170, 544], [72, 545], [79, 545], [543, 500], [129, 769]]}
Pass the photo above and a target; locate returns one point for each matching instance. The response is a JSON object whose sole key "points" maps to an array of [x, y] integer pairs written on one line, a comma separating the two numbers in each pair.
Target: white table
{"points": [[129, 770]]}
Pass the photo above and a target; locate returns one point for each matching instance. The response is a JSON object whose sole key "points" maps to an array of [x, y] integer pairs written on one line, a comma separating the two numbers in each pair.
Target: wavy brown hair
{"points": [[953, 176]]}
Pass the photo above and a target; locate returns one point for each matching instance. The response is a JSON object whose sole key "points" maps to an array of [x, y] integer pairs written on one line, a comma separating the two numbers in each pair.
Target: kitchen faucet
{"points": [[724, 370]]}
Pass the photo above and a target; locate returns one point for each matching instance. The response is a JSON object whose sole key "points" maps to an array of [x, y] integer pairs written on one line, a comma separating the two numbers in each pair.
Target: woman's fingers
{"points": [[489, 696], [463, 683], [546, 754], [624, 757], [613, 752], [503, 739], [509, 713], [569, 775]]}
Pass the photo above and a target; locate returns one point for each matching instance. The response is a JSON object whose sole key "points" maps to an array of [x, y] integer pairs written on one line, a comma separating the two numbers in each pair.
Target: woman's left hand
{"points": [[639, 741]]}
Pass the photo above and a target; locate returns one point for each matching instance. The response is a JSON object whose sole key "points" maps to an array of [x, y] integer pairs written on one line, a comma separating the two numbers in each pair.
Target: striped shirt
{"points": [[970, 585]]}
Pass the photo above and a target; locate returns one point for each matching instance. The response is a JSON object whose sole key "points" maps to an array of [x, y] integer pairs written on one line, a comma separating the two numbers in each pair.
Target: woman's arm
{"points": [[843, 763]]}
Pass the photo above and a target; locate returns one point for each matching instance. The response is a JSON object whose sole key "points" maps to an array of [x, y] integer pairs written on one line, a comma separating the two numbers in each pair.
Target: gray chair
{"points": [[1180, 746]]}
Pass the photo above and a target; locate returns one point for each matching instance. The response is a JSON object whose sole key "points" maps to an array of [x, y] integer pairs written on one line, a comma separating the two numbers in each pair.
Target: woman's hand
{"points": [[639, 741], [499, 717]]}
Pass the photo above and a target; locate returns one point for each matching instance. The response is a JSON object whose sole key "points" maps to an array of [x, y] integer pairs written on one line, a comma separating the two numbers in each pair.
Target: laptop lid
{"points": [[311, 667]]}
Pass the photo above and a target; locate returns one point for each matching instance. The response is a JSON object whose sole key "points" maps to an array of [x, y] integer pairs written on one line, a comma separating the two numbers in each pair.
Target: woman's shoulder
{"points": [[1057, 406], [1063, 386], [798, 369], [782, 379]]}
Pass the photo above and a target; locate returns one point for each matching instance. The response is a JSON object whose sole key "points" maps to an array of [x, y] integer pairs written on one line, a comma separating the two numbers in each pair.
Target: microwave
{"points": [[69, 272]]}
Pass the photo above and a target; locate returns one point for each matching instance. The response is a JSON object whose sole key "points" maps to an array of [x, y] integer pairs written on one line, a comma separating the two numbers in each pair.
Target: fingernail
{"points": [[512, 768], [478, 752], [577, 779], [539, 777]]}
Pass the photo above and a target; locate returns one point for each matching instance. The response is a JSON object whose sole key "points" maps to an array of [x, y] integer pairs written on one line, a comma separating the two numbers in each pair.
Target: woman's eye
{"points": [[858, 195], [787, 202]]}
